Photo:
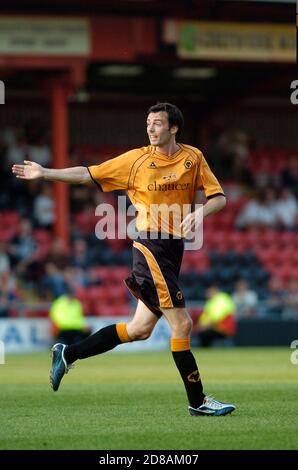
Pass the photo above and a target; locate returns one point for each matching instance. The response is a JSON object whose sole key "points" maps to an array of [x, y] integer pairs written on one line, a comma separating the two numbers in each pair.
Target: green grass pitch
{"points": [[137, 401]]}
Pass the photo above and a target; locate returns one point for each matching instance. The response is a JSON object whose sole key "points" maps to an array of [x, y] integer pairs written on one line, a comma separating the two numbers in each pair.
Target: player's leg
{"points": [[199, 404], [181, 324], [107, 338], [142, 324], [140, 327]]}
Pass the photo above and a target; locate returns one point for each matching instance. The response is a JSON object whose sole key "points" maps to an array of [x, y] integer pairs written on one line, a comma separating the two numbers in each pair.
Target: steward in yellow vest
{"points": [[68, 322], [217, 320]]}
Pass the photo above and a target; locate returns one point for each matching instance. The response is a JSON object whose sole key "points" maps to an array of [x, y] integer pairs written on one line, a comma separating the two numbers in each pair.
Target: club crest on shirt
{"points": [[152, 165], [188, 164], [179, 295]]}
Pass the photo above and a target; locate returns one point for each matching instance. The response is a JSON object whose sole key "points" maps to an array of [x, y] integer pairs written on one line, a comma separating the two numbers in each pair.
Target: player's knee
{"points": [[185, 327], [139, 333], [142, 334]]}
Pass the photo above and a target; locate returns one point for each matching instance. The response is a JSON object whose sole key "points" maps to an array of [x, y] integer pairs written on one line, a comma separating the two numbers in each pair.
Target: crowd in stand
{"points": [[36, 267]]}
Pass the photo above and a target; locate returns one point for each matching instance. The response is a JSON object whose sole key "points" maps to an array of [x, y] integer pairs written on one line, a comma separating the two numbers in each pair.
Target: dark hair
{"points": [[175, 116]]}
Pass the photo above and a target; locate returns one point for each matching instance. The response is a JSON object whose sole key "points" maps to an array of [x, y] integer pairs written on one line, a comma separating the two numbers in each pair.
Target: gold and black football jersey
{"points": [[154, 182]]}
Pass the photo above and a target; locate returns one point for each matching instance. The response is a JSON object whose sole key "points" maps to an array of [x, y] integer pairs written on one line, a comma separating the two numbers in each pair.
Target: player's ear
{"points": [[174, 130]]}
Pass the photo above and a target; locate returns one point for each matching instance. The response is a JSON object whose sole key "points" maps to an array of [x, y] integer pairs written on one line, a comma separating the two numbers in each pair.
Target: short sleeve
{"points": [[114, 174], [207, 181]]}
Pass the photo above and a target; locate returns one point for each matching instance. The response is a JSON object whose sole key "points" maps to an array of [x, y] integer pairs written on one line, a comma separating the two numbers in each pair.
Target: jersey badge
{"points": [[188, 164]]}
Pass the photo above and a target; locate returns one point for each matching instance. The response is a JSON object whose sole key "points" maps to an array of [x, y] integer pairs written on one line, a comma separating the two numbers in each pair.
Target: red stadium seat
{"points": [[288, 239], [268, 238], [285, 273], [236, 241], [186, 265], [44, 240], [288, 256], [124, 310], [267, 255], [42, 236], [225, 219], [7, 233], [195, 313], [108, 310], [87, 307], [119, 273], [97, 294], [103, 273], [117, 293], [215, 240], [9, 219], [117, 245], [38, 312], [252, 238], [86, 221]]}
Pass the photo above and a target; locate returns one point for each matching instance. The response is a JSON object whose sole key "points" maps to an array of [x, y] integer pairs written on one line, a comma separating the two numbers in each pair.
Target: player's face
{"points": [[158, 129]]}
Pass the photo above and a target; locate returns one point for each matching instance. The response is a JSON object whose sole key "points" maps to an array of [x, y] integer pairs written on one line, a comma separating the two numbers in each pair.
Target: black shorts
{"points": [[154, 277]]}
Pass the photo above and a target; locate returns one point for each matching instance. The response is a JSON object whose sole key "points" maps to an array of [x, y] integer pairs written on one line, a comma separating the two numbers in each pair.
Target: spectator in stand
{"points": [[259, 212], [25, 199], [93, 278], [4, 258], [16, 148], [218, 318], [291, 300], [37, 150], [21, 145], [233, 149], [76, 277], [80, 197], [23, 246], [245, 300], [28, 142], [4, 176], [44, 207], [5, 301], [24, 253], [81, 256], [7, 294], [58, 254], [287, 209], [53, 282], [277, 297], [289, 176]]}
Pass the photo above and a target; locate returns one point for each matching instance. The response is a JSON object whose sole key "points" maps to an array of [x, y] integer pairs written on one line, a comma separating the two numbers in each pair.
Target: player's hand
{"points": [[191, 222], [28, 171], [188, 224]]}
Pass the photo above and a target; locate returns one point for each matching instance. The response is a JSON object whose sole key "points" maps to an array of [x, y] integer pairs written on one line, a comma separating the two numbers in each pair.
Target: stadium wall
{"points": [[266, 332], [33, 335]]}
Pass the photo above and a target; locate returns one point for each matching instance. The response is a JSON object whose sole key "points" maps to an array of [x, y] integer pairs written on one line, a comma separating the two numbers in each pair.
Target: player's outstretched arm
{"points": [[31, 171]]}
